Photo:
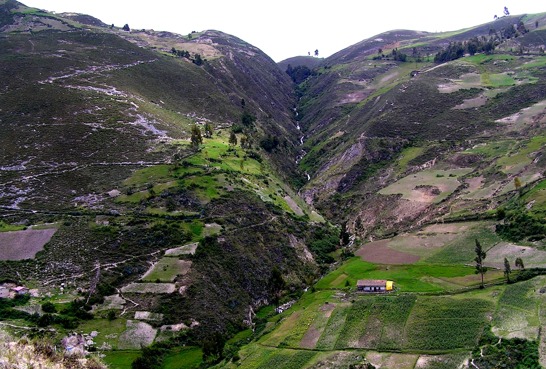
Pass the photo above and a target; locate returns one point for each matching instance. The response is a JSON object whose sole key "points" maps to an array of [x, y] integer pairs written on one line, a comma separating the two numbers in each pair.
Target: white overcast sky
{"points": [[286, 28]]}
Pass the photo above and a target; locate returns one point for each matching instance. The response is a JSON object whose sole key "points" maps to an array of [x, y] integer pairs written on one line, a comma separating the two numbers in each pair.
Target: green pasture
{"points": [[484, 58], [538, 195], [521, 156], [183, 357], [461, 249], [297, 320], [109, 330], [167, 269], [120, 359], [6, 227], [492, 149], [208, 174], [152, 174], [518, 310], [537, 62], [407, 155], [407, 278], [261, 357]]}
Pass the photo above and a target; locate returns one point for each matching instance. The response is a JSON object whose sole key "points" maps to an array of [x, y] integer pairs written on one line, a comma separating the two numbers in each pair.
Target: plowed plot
{"points": [[20, 245], [378, 252]]}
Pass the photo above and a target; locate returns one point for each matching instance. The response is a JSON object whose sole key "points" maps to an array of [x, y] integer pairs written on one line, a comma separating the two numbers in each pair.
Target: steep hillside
{"points": [[382, 110], [99, 176]]}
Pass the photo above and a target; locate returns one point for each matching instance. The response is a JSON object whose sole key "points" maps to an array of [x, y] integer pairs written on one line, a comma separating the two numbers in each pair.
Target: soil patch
{"points": [[20, 245], [446, 228], [310, 338], [378, 252]]}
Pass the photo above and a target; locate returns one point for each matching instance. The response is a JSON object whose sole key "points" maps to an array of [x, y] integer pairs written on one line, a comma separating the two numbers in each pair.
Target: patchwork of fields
{"points": [[434, 319]]}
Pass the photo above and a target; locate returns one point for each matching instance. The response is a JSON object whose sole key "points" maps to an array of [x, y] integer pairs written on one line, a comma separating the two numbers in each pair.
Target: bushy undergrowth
{"points": [[515, 353], [41, 354]]}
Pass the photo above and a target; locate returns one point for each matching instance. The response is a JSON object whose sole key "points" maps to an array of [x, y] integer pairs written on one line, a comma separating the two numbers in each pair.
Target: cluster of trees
{"points": [[197, 59], [299, 73], [395, 55], [456, 50], [196, 137], [520, 224]]}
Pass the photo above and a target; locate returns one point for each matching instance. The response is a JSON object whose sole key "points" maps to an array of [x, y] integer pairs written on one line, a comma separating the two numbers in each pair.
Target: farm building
{"points": [[20, 290], [4, 292], [374, 285]]}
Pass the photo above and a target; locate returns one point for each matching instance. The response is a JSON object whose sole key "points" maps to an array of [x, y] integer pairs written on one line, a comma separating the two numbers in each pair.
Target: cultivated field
{"points": [[20, 245], [428, 186], [166, 270]]}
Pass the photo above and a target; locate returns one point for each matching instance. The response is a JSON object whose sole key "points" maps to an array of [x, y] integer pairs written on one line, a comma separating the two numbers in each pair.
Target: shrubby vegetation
{"points": [[300, 73], [520, 224], [515, 353]]}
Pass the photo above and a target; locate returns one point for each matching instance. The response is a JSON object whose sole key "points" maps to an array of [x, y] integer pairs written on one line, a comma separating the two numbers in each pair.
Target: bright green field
{"points": [[407, 155], [407, 278], [209, 173], [183, 358], [513, 163], [5, 227], [167, 269], [120, 359]]}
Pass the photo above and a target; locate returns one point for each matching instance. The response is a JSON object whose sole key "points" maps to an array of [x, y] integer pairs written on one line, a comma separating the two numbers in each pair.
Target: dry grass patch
{"points": [[390, 360], [136, 336], [158, 288], [532, 258], [188, 249]]}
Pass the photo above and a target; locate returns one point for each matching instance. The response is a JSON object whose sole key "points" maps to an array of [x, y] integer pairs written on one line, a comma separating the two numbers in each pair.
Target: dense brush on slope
{"points": [[84, 106]]}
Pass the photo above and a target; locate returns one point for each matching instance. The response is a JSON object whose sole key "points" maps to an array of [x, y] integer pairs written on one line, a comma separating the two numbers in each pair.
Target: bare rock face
{"points": [[75, 345]]}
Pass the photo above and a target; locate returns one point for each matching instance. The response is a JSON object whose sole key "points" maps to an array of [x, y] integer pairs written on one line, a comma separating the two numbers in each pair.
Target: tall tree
{"points": [[276, 284], [517, 184], [208, 130], [232, 139], [507, 270], [519, 263], [126, 27], [506, 12], [480, 256], [196, 138], [316, 52]]}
